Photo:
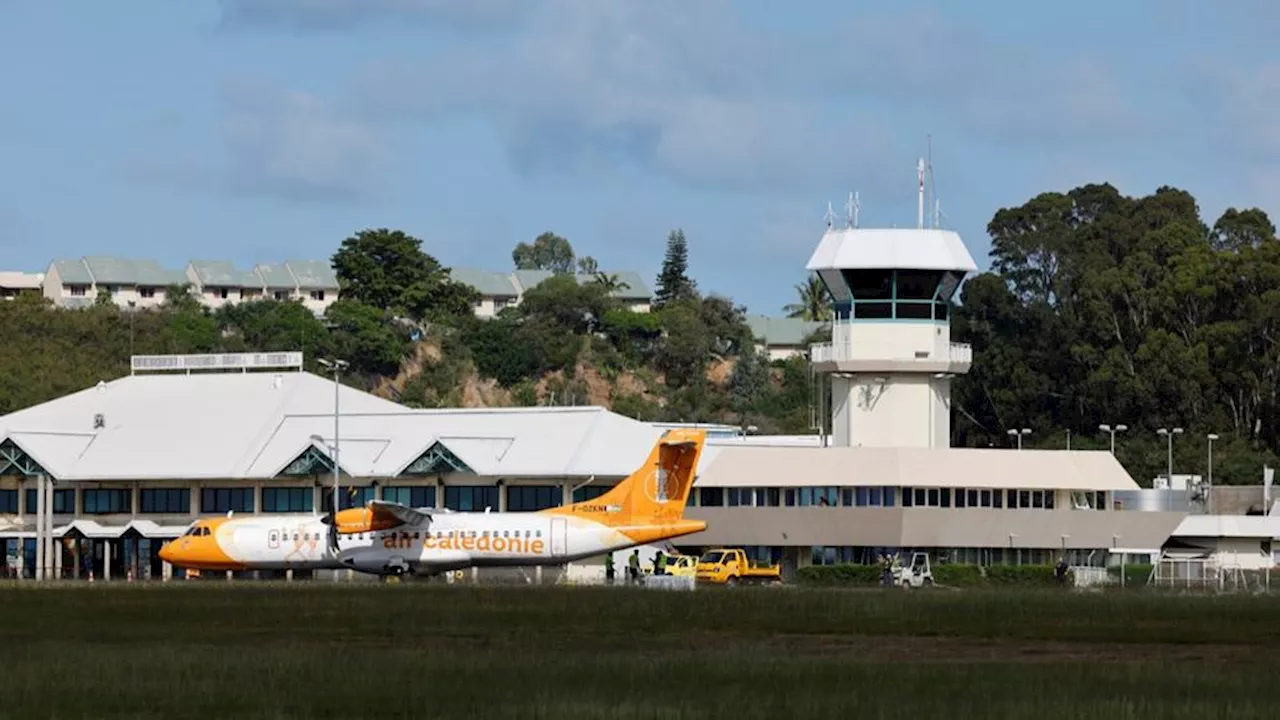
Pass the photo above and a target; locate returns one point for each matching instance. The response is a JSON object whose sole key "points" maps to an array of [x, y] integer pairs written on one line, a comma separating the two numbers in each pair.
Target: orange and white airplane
{"points": [[386, 538]]}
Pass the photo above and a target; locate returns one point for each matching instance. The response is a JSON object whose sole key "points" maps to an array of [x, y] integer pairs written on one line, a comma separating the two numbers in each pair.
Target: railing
{"points": [[958, 353]]}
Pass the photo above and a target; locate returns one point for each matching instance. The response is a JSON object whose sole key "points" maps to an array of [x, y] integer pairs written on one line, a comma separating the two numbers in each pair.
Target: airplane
{"points": [[387, 538]]}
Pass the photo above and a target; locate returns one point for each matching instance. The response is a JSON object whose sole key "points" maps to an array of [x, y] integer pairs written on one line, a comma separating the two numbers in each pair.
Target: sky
{"points": [[259, 130]]}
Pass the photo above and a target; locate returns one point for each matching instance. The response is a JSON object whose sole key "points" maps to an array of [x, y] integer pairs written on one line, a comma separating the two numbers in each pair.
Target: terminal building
{"points": [[131, 462]]}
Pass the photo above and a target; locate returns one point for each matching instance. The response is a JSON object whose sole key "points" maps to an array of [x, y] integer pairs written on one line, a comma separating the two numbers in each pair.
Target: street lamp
{"points": [[337, 366], [1168, 434], [1208, 496], [1113, 431], [1018, 434]]}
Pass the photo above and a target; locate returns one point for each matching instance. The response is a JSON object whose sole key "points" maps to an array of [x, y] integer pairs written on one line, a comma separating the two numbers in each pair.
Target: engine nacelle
{"points": [[376, 563], [363, 520]]}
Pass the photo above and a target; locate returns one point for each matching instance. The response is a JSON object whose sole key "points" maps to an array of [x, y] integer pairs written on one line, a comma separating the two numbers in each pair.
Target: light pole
{"points": [[1113, 431], [1208, 496], [337, 366], [1168, 434], [1018, 434]]}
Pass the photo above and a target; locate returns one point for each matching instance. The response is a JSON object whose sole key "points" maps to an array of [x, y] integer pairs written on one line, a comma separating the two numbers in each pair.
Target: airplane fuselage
{"points": [[448, 541]]}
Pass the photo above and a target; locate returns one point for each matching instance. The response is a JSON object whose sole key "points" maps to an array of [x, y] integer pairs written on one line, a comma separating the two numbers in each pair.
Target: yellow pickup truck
{"points": [[730, 566], [682, 565]]}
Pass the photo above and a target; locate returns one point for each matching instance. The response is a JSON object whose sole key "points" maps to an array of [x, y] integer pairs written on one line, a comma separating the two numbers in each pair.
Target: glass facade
{"points": [[8, 502], [103, 501], [528, 498], [165, 500], [471, 498], [417, 497], [64, 502], [288, 499], [223, 500], [903, 295]]}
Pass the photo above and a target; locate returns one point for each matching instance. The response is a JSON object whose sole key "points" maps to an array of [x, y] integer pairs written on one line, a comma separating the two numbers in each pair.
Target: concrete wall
{"points": [[930, 527]]}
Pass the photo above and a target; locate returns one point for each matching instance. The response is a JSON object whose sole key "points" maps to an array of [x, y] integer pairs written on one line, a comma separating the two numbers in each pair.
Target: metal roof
{"points": [[313, 274], [891, 248], [488, 284], [276, 277], [220, 273], [252, 425], [72, 272], [781, 330], [227, 426]]}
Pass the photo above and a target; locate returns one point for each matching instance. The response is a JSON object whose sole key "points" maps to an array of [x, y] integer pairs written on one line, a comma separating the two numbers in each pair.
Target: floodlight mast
{"points": [[337, 366]]}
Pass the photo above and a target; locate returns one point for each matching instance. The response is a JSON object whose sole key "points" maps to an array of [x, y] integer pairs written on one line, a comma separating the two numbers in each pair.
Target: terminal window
{"points": [[412, 496], [528, 498], [465, 498], [101, 501], [287, 499], [64, 502], [8, 502], [165, 500], [591, 492], [223, 500]]}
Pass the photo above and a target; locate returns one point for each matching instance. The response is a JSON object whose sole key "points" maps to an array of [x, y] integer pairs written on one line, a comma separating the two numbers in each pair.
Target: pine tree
{"points": [[673, 282]]}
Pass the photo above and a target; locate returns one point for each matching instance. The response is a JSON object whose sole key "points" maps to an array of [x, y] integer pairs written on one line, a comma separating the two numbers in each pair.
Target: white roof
{"points": [[725, 465], [252, 425], [1228, 526], [882, 248], [20, 280]]}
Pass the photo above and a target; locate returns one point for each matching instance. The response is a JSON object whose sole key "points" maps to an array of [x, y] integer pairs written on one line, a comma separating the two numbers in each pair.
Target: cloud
{"points": [[694, 92], [335, 15], [294, 145]]}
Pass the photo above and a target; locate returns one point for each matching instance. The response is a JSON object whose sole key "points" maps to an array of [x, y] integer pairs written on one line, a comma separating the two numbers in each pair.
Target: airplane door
{"points": [[559, 536]]}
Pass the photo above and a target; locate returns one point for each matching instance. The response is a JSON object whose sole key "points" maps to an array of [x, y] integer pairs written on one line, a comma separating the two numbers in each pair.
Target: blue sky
{"points": [[255, 130]]}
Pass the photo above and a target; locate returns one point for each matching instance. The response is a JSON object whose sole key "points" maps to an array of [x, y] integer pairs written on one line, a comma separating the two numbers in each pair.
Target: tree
{"points": [[387, 269], [610, 283], [814, 305], [673, 280], [587, 265], [549, 252]]}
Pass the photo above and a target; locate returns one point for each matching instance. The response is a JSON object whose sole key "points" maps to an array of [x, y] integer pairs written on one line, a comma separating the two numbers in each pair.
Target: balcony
{"points": [[843, 355]]}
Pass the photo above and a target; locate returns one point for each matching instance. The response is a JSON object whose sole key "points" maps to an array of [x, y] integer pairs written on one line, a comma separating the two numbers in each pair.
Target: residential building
{"points": [[782, 337], [501, 290], [143, 283], [14, 282], [129, 283]]}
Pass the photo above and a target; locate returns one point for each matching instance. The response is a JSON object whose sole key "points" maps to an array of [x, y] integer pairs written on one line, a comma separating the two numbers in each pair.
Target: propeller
{"points": [[331, 520]]}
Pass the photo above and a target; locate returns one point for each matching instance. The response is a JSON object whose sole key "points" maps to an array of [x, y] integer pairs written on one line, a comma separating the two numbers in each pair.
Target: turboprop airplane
{"points": [[386, 538]]}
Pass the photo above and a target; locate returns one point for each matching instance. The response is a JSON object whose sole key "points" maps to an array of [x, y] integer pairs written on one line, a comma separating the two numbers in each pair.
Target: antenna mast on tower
{"points": [[920, 209], [933, 192], [852, 208], [831, 216]]}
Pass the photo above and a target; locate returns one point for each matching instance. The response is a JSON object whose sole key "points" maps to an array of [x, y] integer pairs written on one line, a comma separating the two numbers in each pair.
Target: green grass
{"points": [[253, 650]]}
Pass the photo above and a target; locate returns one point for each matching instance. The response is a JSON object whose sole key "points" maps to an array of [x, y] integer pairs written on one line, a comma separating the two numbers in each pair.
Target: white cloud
{"points": [[694, 92], [293, 144], [313, 15]]}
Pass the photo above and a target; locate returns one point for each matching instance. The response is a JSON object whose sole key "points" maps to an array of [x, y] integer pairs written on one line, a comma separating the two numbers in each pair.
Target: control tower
{"points": [[891, 359]]}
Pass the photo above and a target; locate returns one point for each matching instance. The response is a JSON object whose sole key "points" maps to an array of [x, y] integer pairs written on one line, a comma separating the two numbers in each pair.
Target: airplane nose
{"points": [[166, 552]]}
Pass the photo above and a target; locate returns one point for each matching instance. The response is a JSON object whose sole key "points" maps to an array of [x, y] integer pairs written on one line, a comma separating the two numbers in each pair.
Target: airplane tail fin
{"points": [[656, 493]]}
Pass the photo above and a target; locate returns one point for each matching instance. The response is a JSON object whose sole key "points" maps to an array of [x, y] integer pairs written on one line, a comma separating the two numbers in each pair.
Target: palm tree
{"points": [[610, 283], [814, 304]]}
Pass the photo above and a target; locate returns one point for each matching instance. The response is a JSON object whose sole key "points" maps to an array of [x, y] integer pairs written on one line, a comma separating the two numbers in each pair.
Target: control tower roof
{"points": [[891, 248]]}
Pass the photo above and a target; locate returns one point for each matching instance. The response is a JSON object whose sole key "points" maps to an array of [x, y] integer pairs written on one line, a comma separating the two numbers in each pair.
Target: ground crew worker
{"points": [[608, 569], [660, 563], [1060, 570], [633, 566]]}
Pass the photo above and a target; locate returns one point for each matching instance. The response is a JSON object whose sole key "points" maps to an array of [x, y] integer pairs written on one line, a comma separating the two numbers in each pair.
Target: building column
{"points": [[106, 561]]}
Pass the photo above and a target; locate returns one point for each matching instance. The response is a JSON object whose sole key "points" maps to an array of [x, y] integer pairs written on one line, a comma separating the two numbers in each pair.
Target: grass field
{"points": [[251, 650]]}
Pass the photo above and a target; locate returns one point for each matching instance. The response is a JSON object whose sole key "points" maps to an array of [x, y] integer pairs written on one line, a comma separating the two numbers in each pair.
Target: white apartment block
{"points": [[143, 283], [499, 290]]}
